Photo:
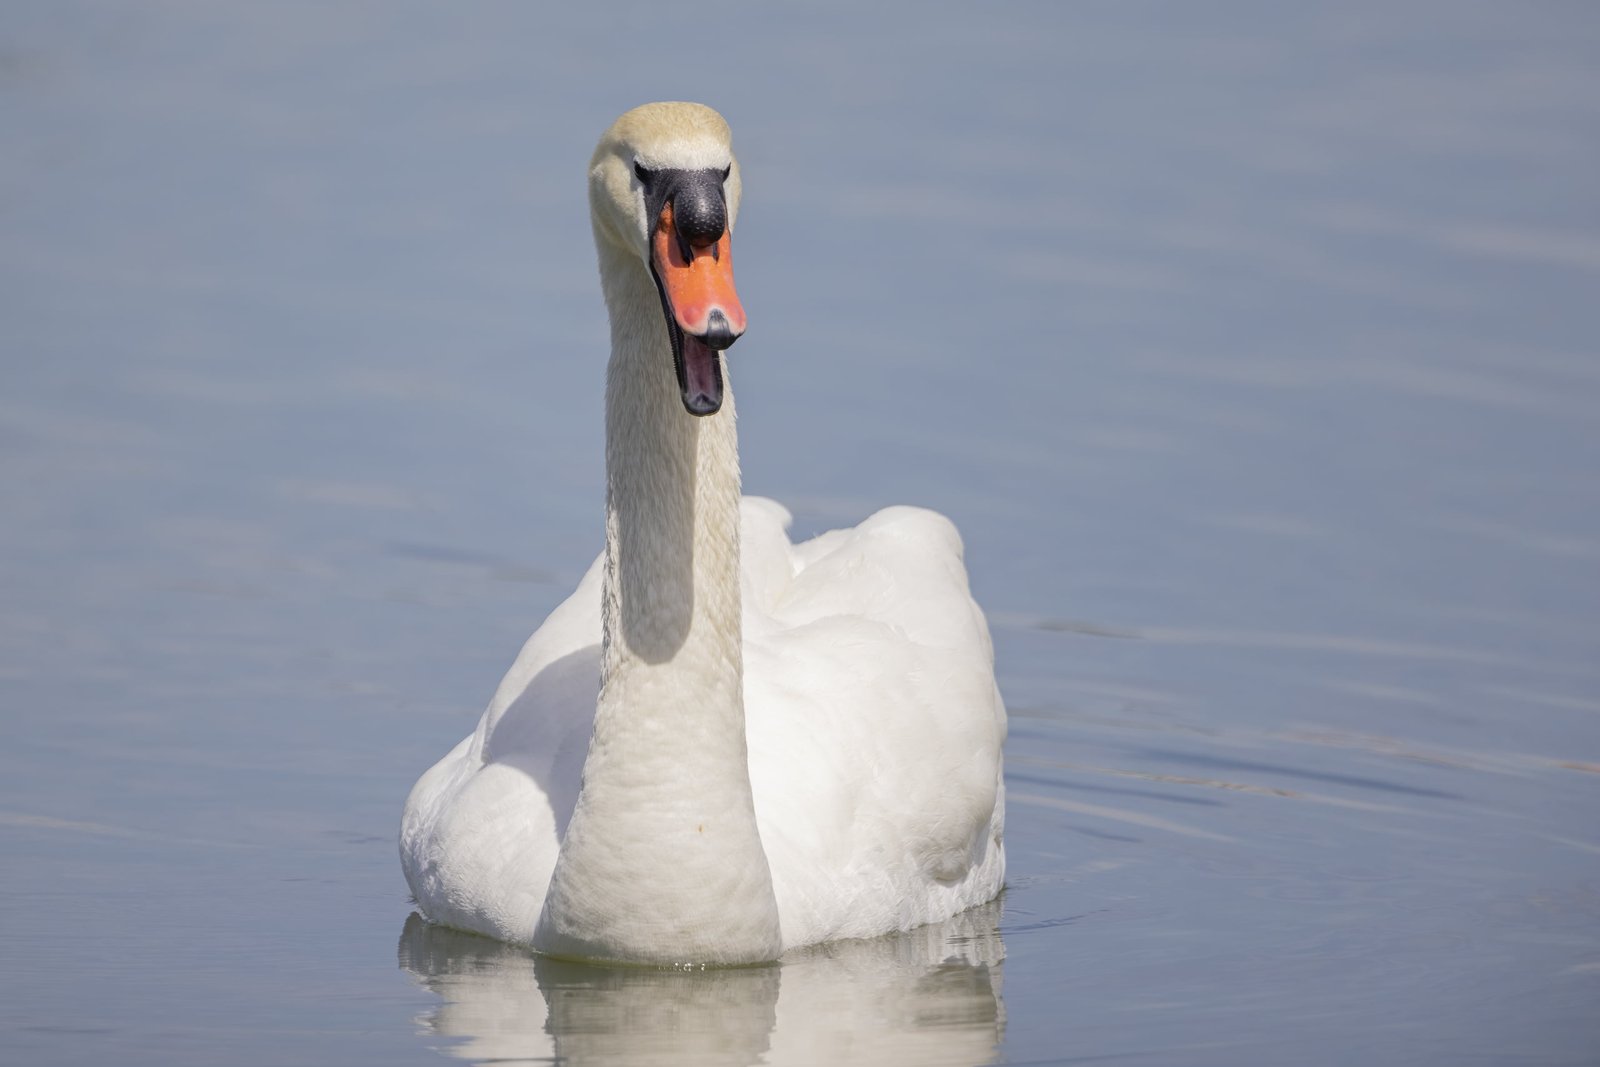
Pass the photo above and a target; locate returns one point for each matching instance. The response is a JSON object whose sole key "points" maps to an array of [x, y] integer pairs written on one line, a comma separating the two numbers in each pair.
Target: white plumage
{"points": [[785, 743]]}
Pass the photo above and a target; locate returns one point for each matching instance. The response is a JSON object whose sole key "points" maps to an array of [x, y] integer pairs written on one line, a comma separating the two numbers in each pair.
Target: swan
{"points": [[722, 746]]}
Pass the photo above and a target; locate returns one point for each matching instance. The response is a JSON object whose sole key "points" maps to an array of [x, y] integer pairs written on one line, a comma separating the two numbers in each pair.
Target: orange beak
{"points": [[692, 262], [697, 277]]}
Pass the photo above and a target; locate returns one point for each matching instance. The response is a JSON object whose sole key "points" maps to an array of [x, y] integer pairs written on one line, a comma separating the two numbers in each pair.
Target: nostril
{"points": [[719, 333]]}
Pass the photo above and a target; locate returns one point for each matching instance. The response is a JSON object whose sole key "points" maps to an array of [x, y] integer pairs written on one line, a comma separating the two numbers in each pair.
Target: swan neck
{"points": [[672, 509], [662, 860]]}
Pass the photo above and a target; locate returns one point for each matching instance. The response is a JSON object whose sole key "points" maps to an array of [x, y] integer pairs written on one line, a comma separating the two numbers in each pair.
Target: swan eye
{"points": [[640, 172], [727, 171]]}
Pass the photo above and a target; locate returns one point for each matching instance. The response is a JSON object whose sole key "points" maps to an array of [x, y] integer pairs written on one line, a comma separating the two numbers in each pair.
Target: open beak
{"points": [[692, 262]]}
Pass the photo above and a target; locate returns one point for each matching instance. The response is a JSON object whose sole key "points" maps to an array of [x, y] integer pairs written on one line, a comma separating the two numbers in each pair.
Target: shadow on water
{"points": [[927, 996]]}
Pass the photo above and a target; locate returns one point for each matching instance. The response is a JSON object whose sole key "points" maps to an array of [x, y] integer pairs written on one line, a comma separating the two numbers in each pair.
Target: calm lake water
{"points": [[1253, 350]]}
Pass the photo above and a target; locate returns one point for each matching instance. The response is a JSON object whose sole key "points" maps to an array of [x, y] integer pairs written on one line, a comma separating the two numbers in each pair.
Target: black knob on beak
{"points": [[719, 335], [698, 212]]}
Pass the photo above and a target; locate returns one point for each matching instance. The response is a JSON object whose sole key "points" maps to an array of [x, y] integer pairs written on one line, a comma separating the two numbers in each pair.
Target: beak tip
{"points": [[701, 405], [719, 333]]}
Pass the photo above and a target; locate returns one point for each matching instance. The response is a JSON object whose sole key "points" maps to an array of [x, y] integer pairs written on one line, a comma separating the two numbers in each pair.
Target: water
{"points": [[1253, 351]]}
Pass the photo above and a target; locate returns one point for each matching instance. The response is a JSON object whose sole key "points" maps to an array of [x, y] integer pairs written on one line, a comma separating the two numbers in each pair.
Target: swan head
{"points": [[664, 187]]}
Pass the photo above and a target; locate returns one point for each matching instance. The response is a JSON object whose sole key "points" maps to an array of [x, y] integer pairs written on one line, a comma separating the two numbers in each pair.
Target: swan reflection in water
{"points": [[927, 996]]}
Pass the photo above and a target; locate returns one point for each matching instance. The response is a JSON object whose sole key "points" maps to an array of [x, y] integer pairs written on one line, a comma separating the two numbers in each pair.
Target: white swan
{"points": [[785, 743]]}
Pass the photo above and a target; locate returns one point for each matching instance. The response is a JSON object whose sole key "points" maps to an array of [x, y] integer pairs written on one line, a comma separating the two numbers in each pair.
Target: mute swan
{"points": [[722, 745]]}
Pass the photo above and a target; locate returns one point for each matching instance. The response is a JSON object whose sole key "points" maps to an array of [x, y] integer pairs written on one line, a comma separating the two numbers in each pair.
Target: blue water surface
{"points": [[1252, 347]]}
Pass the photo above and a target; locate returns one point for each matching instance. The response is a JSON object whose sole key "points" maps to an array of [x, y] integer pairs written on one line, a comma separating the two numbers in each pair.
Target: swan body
{"points": [[722, 745]]}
